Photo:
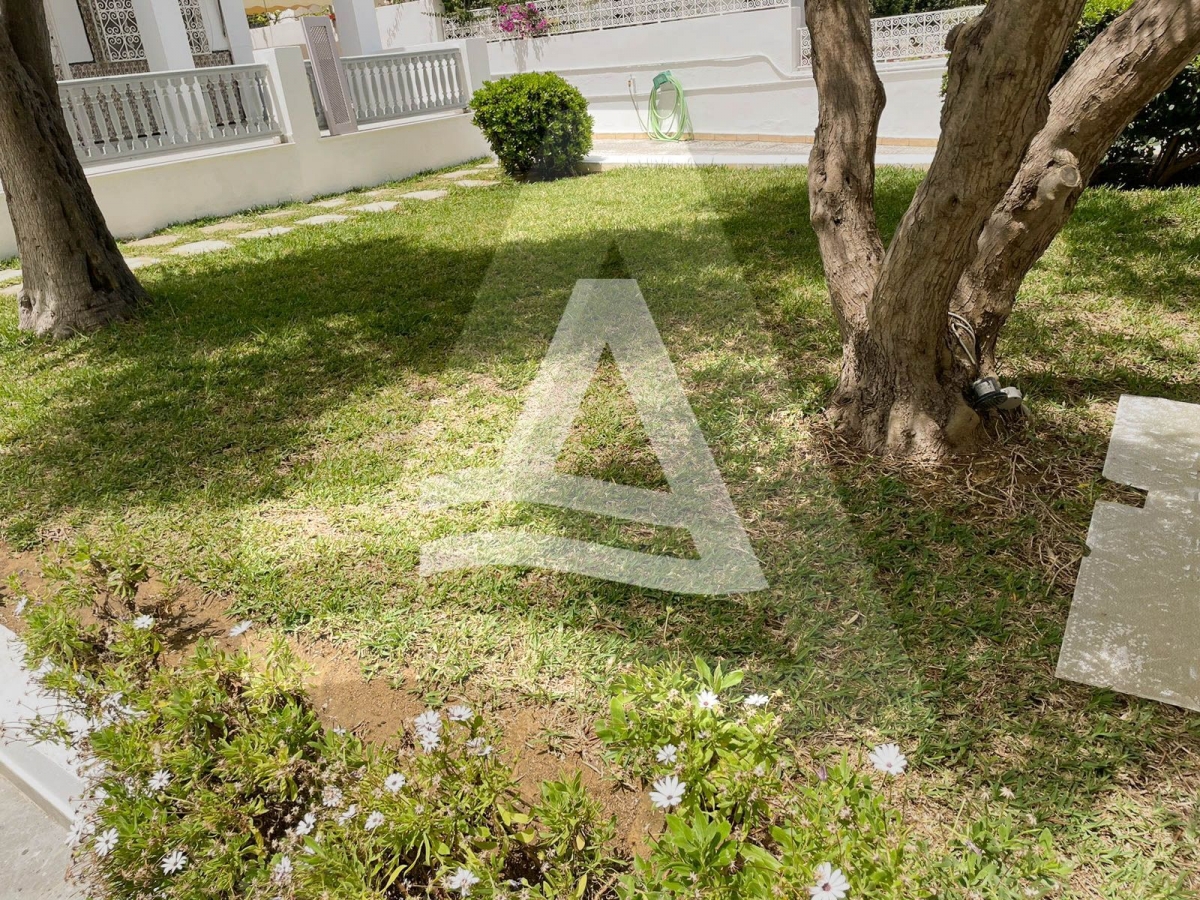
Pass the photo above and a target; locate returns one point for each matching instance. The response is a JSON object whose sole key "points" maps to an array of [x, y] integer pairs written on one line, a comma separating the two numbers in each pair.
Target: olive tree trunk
{"points": [[901, 387], [75, 278], [1128, 65]]}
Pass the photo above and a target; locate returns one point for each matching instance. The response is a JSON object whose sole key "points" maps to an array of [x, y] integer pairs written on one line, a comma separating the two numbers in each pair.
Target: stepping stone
{"points": [[9, 274], [331, 203], [425, 195], [266, 232], [198, 247], [11, 290], [222, 226], [325, 219], [384, 192], [453, 175], [158, 240], [277, 214], [491, 165], [471, 182], [381, 206], [139, 262]]}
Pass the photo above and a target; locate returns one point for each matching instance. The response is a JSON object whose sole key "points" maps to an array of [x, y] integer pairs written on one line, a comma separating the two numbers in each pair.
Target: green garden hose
{"points": [[677, 122]]}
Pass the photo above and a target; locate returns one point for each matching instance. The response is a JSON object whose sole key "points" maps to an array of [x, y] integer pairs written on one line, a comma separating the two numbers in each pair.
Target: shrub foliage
{"points": [[537, 124], [212, 776]]}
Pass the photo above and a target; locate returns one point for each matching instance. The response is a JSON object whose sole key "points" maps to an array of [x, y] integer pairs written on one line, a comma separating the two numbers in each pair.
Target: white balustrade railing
{"points": [[895, 38], [387, 86], [135, 115], [565, 16]]}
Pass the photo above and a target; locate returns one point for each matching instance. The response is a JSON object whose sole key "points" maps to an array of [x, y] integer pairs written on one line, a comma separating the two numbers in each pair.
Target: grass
{"points": [[263, 429]]}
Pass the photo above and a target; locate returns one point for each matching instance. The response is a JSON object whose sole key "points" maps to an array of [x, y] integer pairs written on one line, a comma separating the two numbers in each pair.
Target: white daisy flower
{"points": [[350, 813], [331, 797], [708, 700], [374, 820], [142, 623], [756, 700], [479, 747], [460, 713], [282, 873], [241, 628], [461, 881], [159, 780], [174, 862], [888, 759], [430, 741], [80, 828], [668, 754], [831, 884], [105, 842], [21, 604], [667, 792], [395, 782], [305, 825], [428, 721]]}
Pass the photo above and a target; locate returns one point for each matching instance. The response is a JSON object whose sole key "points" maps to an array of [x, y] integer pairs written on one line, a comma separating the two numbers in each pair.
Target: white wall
{"points": [[737, 71], [404, 24], [148, 194]]}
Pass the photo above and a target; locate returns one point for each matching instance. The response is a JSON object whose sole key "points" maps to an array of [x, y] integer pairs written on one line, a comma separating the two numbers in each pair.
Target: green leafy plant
{"points": [[670, 723], [537, 125]]}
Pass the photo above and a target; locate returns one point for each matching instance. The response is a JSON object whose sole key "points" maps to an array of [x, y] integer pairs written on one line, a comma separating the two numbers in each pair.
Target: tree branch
{"points": [[1001, 66], [1127, 66]]}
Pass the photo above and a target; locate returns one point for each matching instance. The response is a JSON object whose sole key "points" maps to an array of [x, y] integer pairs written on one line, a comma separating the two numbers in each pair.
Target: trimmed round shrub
{"points": [[537, 124]]}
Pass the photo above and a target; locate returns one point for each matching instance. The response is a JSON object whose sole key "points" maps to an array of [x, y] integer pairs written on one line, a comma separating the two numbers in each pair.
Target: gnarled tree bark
{"points": [[1127, 66], [1007, 171], [75, 278]]}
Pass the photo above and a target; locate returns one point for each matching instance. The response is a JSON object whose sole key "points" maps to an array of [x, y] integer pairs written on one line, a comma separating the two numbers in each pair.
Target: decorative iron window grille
{"points": [[193, 21], [120, 39]]}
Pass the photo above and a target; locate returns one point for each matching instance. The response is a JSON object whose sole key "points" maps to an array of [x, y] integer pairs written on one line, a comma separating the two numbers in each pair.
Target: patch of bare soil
{"points": [[540, 743]]}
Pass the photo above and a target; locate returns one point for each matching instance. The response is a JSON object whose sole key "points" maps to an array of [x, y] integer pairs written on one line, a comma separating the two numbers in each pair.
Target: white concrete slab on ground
{"points": [[266, 232], [9, 274], [12, 290], [35, 857], [424, 195], [1134, 624], [219, 227], [331, 203], [324, 219], [139, 262], [612, 154], [158, 240], [474, 183], [381, 206], [45, 772], [197, 247]]}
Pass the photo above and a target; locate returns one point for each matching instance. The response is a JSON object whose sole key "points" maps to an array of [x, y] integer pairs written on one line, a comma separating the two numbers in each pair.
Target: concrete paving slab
{"points": [[198, 247], [331, 203], [380, 192], [34, 855], [474, 183], [323, 219], [1134, 624], [9, 274], [607, 154], [424, 195], [12, 290], [222, 226], [265, 232], [139, 262], [381, 206], [157, 240], [277, 214]]}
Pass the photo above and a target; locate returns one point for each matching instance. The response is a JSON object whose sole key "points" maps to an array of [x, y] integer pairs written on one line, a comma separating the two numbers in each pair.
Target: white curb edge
{"points": [[43, 772]]}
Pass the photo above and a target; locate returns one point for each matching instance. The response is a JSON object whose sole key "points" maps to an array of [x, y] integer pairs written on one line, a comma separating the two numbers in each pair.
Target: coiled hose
{"points": [[676, 123]]}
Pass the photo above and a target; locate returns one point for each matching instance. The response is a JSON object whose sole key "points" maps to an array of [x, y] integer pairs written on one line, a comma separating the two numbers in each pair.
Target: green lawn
{"points": [[263, 428]]}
